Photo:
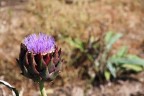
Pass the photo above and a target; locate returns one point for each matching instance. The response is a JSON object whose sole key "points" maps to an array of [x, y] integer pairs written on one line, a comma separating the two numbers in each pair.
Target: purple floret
{"points": [[40, 43]]}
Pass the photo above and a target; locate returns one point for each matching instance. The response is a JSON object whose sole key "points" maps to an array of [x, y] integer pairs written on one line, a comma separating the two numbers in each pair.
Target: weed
{"points": [[95, 57]]}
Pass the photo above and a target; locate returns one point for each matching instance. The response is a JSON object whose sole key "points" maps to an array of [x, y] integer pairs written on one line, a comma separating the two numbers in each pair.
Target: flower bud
{"points": [[39, 58]]}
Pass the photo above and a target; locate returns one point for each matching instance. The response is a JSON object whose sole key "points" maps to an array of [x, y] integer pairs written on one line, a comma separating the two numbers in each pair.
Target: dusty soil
{"points": [[20, 18]]}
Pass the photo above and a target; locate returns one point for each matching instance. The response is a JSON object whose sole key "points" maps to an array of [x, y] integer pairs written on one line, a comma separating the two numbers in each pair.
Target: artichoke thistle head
{"points": [[39, 58]]}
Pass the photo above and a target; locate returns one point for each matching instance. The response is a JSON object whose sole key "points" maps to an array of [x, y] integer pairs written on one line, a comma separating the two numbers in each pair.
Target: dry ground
{"points": [[19, 18]]}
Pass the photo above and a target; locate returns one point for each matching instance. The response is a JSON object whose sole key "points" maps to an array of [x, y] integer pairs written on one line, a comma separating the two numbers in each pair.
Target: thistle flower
{"points": [[39, 57]]}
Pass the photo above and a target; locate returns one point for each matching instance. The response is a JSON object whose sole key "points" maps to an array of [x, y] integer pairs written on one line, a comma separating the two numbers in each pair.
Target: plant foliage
{"points": [[95, 57]]}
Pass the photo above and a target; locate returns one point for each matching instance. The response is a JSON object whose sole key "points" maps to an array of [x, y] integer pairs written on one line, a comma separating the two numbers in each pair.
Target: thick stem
{"points": [[42, 89]]}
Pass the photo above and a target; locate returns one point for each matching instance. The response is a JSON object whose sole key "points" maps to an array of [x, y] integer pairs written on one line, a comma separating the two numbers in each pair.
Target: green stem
{"points": [[42, 89]]}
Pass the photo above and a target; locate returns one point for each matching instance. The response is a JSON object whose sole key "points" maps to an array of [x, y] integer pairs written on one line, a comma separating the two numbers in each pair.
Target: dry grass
{"points": [[61, 20]]}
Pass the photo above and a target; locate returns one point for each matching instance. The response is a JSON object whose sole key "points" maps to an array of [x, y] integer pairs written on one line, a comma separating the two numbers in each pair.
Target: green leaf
{"points": [[136, 61], [108, 36], [111, 69], [111, 38], [90, 57], [122, 51], [107, 75], [136, 68], [77, 43], [132, 56]]}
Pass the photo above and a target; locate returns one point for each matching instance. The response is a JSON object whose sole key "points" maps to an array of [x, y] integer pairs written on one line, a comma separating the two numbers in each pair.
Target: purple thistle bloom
{"points": [[40, 43], [39, 58]]}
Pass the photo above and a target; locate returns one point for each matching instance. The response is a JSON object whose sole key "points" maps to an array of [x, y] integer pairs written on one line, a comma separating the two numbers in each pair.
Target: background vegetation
{"points": [[102, 45]]}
